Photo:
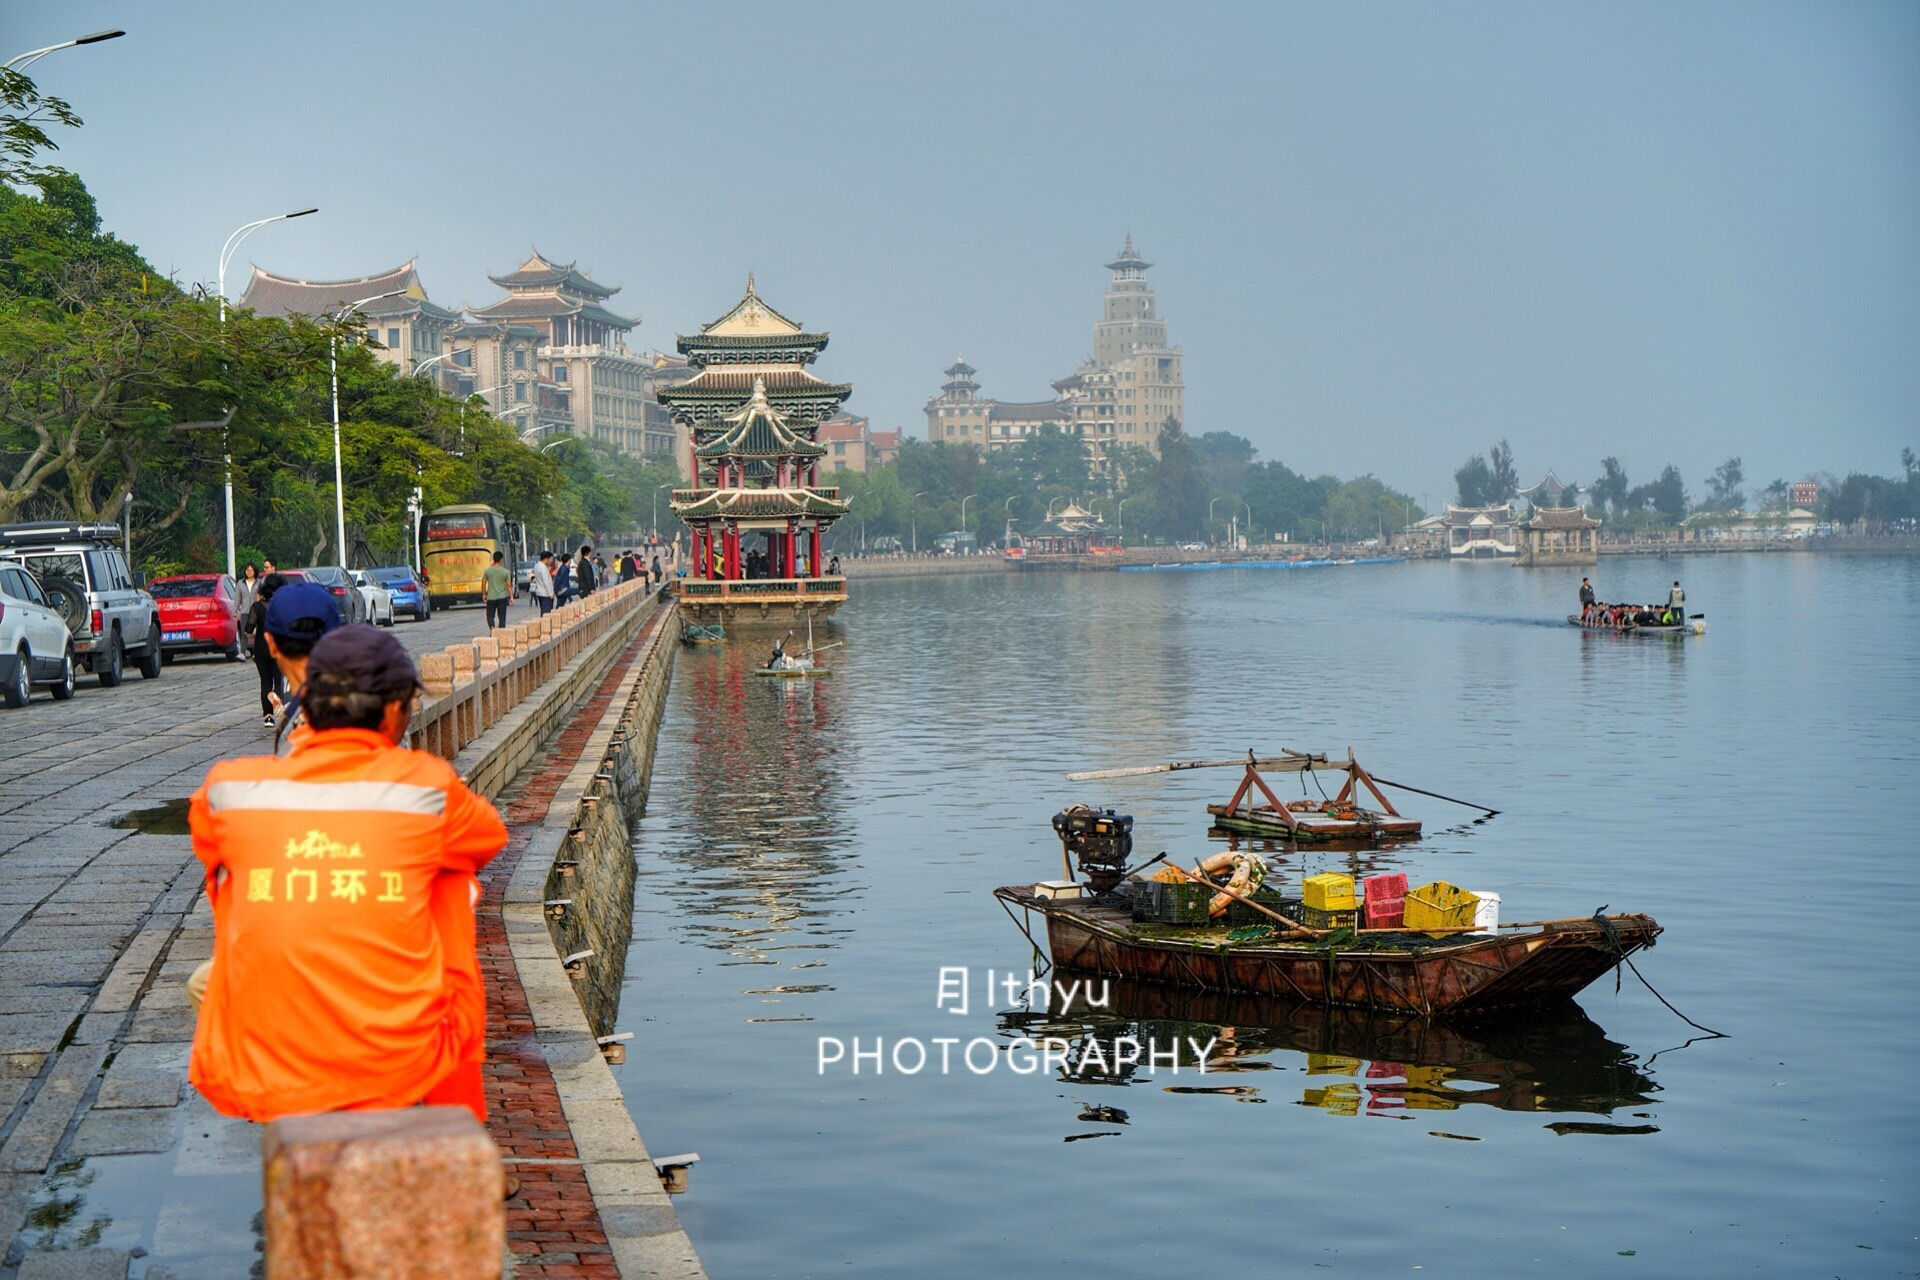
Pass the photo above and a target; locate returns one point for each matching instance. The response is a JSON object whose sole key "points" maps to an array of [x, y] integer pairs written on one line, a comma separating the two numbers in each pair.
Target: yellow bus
{"points": [[456, 546]]}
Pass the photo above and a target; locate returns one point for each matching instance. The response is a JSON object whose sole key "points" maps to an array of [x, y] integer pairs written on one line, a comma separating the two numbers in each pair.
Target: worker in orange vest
{"points": [[345, 975]]}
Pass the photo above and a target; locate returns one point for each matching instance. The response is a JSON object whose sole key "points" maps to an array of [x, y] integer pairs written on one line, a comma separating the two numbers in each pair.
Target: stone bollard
{"points": [[378, 1195], [463, 662], [487, 651]]}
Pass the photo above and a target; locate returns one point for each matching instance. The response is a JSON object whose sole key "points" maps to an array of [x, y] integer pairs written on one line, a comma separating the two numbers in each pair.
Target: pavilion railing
{"points": [[760, 589]]}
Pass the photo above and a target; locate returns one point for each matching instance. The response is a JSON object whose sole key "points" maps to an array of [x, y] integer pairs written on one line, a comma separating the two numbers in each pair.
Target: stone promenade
{"points": [[110, 1166]]}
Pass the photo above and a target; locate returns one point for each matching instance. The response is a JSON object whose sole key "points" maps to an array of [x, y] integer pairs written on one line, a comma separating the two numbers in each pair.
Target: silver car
{"points": [[35, 646], [87, 582]]}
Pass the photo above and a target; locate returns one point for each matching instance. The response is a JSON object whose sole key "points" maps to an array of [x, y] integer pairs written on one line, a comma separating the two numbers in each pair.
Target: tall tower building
{"points": [[1130, 343]]}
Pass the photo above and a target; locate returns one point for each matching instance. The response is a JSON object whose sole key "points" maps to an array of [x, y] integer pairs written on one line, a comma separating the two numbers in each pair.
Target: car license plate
{"points": [[168, 637]]}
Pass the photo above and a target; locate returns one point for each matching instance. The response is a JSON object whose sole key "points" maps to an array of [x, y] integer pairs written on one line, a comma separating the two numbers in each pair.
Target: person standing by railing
{"points": [[541, 585]]}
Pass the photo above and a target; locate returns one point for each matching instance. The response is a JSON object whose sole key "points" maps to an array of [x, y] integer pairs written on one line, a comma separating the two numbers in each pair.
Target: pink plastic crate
{"points": [[1385, 900]]}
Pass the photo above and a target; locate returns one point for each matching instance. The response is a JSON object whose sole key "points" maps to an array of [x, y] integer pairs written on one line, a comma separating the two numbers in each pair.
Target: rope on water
{"points": [[1621, 957]]}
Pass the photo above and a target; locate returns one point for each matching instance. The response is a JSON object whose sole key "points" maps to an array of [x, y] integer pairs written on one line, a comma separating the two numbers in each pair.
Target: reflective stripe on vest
{"points": [[328, 797]]}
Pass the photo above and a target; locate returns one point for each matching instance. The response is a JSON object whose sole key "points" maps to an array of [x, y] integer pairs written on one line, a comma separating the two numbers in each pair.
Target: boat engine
{"points": [[1100, 839]]}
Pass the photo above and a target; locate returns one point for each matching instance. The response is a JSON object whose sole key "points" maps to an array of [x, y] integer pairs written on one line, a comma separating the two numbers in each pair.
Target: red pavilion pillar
{"points": [[813, 551], [792, 566]]}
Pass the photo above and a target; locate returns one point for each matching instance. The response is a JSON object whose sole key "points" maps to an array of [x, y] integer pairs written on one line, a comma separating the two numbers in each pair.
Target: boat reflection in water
{"points": [[1358, 1062]]}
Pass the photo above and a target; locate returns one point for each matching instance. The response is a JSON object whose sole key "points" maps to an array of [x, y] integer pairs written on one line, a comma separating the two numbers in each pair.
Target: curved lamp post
{"points": [[21, 61], [914, 518], [226, 256], [963, 508], [333, 374]]}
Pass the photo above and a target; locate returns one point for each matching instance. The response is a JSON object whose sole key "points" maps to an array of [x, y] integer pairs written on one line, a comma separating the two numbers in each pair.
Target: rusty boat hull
{"points": [[1473, 974]]}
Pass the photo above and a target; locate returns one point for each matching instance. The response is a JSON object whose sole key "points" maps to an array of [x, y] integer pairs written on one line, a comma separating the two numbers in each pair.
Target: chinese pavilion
{"points": [[756, 506]]}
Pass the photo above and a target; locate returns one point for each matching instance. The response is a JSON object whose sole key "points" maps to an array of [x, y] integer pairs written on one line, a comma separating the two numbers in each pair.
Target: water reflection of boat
{"points": [[1371, 1062], [1374, 969]]}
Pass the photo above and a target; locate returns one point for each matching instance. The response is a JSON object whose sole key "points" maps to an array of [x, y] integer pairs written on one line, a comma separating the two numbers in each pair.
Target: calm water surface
{"points": [[818, 852]]}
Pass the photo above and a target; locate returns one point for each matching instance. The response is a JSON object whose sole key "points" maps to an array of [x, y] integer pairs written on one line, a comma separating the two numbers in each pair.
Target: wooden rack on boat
{"points": [[1340, 818]]}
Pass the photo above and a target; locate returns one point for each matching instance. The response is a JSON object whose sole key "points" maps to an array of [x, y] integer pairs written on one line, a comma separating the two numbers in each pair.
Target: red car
{"points": [[199, 613]]}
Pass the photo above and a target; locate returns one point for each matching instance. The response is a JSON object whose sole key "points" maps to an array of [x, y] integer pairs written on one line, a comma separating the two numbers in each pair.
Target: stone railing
{"points": [[471, 687]]}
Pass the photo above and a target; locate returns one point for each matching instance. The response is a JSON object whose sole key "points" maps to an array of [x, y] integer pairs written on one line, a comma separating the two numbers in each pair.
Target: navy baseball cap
{"points": [[302, 610], [369, 658]]}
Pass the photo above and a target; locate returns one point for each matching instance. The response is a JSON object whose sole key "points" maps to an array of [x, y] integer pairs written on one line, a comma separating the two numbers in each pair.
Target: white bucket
{"points": [[1486, 912]]}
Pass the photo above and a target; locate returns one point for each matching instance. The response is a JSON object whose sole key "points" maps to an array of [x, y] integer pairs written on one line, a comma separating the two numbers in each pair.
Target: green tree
{"points": [[24, 114], [1473, 482], [1724, 491], [1180, 497], [1610, 490], [1503, 482]]}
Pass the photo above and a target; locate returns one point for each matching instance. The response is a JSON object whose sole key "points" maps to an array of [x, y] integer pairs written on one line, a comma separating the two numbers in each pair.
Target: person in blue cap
{"points": [[297, 616]]}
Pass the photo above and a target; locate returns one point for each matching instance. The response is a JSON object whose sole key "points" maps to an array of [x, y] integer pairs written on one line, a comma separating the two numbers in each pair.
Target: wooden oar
{"points": [[1297, 759], [1401, 786]]}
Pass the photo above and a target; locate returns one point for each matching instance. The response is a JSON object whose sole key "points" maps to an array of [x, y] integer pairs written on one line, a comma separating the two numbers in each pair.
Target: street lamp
{"points": [[1210, 502], [1120, 519], [963, 508], [333, 374], [914, 520], [656, 506], [226, 256], [421, 367], [1249, 507], [20, 62]]}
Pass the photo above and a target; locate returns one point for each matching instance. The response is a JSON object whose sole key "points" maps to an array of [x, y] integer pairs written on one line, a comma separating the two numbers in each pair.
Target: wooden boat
{"points": [[1310, 821], [1372, 969], [1693, 625]]}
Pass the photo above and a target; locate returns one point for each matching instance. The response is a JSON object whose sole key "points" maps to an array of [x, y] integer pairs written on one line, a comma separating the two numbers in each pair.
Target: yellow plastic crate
{"points": [[1440, 906], [1330, 891]]}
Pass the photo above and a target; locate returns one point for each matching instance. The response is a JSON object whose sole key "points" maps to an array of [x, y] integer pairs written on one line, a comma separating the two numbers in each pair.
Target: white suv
{"points": [[35, 646], [87, 582]]}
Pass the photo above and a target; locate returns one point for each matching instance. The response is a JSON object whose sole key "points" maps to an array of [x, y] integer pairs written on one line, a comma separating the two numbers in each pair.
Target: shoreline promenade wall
{"points": [[110, 1165]]}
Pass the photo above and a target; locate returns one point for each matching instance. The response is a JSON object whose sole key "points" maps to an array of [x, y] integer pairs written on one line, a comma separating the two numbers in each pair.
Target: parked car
{"points": [[523, 575], [408, 593], [378, 600], [35, 645], [346, 598], [87, 581], [199, 613]]}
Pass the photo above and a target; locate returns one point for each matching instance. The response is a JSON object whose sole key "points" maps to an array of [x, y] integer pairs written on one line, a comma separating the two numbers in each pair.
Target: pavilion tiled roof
{"points": [[537, 272], [758, 431], [272, 295], [541, 306], [1561, 518], [738, 380], [741, 504], [1028, 411]]}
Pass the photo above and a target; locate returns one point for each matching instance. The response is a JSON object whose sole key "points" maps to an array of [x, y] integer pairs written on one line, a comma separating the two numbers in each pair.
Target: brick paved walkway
{"points": [[553, 1228]]}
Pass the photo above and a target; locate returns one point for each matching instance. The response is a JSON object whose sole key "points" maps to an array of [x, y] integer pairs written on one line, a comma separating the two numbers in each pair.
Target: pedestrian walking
{"points": [[496, 585], [244, 592], [272, 690], [541, 586], [563, 579], [345, 975]]}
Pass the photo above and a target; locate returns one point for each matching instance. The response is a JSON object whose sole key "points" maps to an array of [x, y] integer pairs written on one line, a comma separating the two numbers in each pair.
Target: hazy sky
{"points": [[1386, 234]]}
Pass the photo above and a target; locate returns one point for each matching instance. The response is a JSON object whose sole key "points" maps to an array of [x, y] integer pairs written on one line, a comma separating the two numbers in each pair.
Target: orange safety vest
{"points": [[345, 971]]}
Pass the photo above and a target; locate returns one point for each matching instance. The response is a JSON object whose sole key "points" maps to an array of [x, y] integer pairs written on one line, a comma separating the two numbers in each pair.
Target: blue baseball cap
{"points": [[302, 611]]}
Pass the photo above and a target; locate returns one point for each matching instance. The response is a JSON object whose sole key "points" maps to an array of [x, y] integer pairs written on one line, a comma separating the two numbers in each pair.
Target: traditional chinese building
{"points": [[1559, 535], [584, 378], [1481, 533], [756, 506], [402, 329]]}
